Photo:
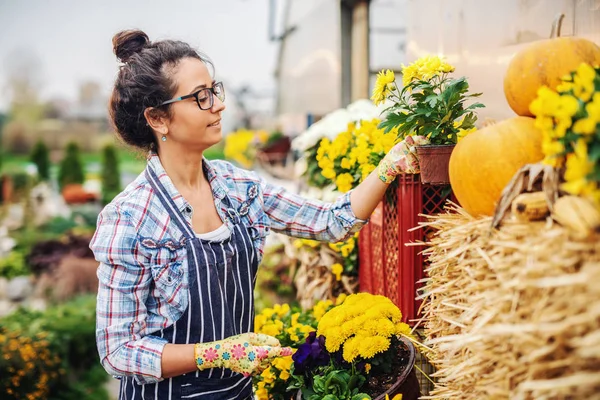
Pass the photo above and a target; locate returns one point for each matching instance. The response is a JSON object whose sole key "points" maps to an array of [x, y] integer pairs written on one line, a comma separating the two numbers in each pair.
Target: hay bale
{"points": [[513, 313]]}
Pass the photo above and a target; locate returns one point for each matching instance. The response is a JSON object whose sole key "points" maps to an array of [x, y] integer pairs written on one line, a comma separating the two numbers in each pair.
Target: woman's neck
{"points": [[184, 168]]}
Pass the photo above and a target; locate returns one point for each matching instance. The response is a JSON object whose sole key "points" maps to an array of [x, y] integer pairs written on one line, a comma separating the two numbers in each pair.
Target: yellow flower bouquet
{"points": [[570, 121], [430, 102]]}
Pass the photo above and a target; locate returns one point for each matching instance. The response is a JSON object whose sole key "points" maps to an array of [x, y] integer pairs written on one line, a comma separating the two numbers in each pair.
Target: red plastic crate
{"points": [[386, 265]]}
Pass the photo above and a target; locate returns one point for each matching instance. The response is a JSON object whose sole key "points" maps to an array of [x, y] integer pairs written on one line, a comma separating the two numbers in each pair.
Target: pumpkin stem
{"points": [[557, 25]]}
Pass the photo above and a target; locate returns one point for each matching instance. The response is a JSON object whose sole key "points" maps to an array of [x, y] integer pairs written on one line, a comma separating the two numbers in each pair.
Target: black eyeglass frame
{"points": [[212, 94]]}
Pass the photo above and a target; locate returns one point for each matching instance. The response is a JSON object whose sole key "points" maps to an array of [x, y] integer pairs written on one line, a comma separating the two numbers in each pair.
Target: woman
{"points": [[180, 246]]}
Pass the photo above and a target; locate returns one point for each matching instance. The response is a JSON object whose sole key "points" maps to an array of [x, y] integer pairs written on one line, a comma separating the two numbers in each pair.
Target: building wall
{"points": [[309, 71], [479, 37]]}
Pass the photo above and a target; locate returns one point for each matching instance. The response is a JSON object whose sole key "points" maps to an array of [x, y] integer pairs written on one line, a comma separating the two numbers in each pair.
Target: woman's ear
{"points": [[156, 120]]}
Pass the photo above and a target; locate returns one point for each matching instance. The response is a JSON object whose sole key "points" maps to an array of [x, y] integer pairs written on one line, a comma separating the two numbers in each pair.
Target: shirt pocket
{"points": [[170, 287]]}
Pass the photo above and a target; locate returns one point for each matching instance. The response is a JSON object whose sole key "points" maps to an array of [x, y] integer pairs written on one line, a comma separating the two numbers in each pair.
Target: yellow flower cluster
{"points": [[299, 243], [240, 146], [570, 121], [345, 248], [424, 69], [27, 367], [271, 322], [354, 153], [363, 325], [279, 370]]}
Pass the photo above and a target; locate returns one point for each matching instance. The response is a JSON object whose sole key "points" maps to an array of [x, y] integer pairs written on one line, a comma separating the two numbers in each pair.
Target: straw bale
{"points": [[512, 313]]}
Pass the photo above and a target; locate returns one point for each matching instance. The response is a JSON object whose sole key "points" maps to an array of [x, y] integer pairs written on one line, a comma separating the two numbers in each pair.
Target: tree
{"points": [[71, 167], [111, 176], [39, 156]]}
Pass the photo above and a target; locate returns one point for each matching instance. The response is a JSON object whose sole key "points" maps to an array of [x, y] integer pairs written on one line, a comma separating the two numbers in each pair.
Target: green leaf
{"points": [[594, 152]]}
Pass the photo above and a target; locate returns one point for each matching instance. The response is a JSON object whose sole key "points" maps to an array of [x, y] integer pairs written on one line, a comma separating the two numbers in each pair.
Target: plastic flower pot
{"points": [[407, 383], [433, 161]]}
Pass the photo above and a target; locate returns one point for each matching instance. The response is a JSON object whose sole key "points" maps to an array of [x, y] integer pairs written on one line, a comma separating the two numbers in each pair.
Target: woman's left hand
{"points": [[401, 159]]}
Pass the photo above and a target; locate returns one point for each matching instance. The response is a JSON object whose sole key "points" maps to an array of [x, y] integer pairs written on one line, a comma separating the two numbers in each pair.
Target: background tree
{"points": [[39, 156], [111, 175], [71, 167]]}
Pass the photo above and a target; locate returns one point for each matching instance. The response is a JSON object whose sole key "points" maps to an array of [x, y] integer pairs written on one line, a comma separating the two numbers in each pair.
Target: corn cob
{"points": [[530, 206]]}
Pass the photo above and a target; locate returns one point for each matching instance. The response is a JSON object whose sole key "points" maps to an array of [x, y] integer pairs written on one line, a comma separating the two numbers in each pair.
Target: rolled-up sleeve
{"points": [[124, 347], [297, 216]]}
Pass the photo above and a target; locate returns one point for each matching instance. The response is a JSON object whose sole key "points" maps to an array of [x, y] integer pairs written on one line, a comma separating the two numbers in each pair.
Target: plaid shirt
{"points": [[143, 262]]}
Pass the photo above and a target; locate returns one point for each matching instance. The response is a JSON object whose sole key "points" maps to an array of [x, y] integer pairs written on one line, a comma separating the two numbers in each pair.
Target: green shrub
{"points": [[111, 175], [39, 156], [71, 166], [52, 354], [13, 265]]}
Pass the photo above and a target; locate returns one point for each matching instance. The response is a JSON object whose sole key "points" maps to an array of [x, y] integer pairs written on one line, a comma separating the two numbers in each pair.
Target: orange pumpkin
{"points": [[545, 62], [483, 163]]}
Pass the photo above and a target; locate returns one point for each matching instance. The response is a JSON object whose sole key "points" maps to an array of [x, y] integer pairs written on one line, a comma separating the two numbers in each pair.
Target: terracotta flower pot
{"points": [[434, 160]]}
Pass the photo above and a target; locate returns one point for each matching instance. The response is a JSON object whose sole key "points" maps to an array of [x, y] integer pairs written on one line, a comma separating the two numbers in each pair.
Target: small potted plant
{"points": [[430, 104], [361, 350]]}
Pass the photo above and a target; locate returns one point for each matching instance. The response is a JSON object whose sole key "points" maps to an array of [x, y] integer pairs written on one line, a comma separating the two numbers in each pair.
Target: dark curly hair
{"points": [[144, 80]]}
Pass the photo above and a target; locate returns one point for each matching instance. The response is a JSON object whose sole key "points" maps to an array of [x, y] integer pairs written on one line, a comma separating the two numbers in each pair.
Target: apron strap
{"points": [[169, 204]]}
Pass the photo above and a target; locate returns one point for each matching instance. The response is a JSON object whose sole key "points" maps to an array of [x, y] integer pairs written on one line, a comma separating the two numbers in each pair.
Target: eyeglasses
{"points": [[204, 97]]}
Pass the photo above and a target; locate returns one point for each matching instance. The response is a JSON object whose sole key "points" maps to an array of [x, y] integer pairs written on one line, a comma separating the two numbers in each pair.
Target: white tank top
{"points": [[218, 235]]}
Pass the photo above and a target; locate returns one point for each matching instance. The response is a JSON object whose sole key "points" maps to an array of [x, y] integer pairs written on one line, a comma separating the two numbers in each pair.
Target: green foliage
{"points": [[215, 152], [433, 108], [39, 156], [21, 181], [13, 265], [330, 383], [111, 175], [313, 174], [52, 353], [71, 166]]}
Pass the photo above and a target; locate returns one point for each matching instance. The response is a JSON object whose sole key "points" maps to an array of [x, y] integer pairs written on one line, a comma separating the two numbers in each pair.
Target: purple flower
{"points": [[311, 354]]}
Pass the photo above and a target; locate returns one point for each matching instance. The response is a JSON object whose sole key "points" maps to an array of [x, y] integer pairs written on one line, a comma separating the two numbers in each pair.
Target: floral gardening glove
{"points": [[401, 159], [248, 354]]}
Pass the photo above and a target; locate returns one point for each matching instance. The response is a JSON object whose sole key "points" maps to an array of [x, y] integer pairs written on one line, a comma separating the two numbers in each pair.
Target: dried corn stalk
{"points": [[314, 280], [514, 314]]}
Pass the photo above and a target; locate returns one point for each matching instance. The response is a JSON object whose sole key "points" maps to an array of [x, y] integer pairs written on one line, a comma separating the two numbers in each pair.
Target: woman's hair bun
{"points": [[127, 43]]}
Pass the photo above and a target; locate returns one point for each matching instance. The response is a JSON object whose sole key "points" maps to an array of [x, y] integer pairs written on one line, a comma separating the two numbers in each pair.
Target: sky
{"points": [[71, 40]]}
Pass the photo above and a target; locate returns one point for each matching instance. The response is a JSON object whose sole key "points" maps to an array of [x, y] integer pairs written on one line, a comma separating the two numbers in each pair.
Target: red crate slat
{"points": [[386, 265]]}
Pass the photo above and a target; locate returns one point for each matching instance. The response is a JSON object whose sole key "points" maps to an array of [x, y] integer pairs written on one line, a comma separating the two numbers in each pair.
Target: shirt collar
{"points": [[219, 189]]}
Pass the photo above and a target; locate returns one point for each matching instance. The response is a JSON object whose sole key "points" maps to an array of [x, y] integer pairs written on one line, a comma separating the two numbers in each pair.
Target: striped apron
{"points": [[221, 278]]}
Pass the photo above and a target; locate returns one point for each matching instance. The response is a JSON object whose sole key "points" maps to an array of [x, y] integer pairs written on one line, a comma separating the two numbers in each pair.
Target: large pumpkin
{"points": [[483, 163], [545, 62]]}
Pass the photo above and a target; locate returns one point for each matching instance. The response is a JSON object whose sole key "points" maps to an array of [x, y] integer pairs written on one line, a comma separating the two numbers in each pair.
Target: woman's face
{"points": [[190, 126]]}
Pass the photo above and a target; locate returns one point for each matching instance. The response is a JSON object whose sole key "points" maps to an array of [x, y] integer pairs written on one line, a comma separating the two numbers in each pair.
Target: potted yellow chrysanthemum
{"points": [[361, 350], [430, 104]]}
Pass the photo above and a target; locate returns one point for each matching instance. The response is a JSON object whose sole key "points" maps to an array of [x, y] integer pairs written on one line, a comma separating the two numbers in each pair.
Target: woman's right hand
{"points": [[248, 353]]}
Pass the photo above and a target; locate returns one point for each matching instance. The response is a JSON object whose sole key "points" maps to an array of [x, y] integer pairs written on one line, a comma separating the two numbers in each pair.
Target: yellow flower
{"points": [[344, 182], [268, 376], [367, 368], [578, 167], [384, 85], [396, 397], [462, 133], [337, 270], [340, 299], [425, 68]]}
